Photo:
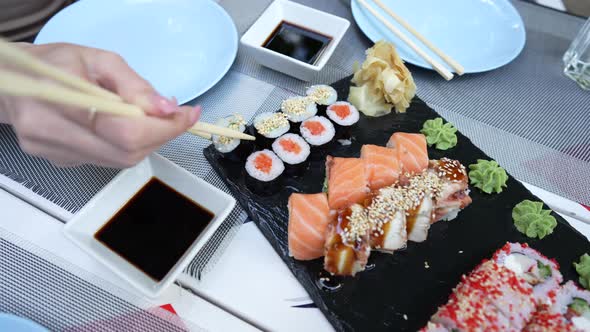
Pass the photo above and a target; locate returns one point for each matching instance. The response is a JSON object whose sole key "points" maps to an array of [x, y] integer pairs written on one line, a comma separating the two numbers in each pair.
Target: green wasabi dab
{"points": [[440, 134], [530, 219], [488, 176], [583, 269]]}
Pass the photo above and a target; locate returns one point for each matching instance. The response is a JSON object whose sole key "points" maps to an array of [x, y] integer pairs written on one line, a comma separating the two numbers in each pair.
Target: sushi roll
{"points": [[485, 300], [348, 248], [347, 182], [570, 312], [388, 221], [343, 113], [293, 151], [298, 109], [264, 169], [232, 148], [322, 94], [381, 166], [419, 218], [268, 126], [309, 216], [453, 195], [411, 151], [317, 130], [537, 270]]}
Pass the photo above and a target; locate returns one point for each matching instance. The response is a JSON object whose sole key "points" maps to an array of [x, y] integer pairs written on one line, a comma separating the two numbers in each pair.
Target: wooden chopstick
{"points": [[19, 85], [442, 70], [450, 61], [19, 58]]}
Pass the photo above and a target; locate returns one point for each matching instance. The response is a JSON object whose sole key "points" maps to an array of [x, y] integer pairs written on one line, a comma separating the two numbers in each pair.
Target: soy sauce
{"points": [[297, 42], [155, 228]]}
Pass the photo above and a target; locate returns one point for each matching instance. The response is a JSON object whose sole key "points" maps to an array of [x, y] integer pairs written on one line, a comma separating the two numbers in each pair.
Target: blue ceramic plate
{"points": [[480, 34], [182, 47], [17, 324]]}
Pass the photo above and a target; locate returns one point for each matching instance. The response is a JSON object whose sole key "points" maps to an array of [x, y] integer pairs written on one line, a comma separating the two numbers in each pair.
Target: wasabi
{"points": [[488, 176], [530, 219], [583, 269], [440, 134]]}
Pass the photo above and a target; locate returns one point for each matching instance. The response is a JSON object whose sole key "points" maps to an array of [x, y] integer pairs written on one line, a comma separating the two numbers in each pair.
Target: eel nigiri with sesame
{"points": [[309, 216]]}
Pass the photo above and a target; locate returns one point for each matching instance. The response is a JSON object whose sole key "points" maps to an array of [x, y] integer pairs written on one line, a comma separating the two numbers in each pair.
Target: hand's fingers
{"points": [[132, 134], [112, 72], [48, 134]]}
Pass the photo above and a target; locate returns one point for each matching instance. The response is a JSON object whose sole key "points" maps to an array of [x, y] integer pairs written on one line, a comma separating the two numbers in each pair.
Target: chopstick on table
{"points": [[88, 96], [441, 69], [446, 58]]}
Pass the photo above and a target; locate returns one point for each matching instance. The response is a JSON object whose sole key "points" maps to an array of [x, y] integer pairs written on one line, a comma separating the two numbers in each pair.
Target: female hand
{"points": [[68, 136]]}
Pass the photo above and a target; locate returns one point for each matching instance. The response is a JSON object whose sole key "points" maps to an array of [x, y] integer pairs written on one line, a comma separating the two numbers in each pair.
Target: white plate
{"points": [[182, 47], [480, 34], [119, 191]]}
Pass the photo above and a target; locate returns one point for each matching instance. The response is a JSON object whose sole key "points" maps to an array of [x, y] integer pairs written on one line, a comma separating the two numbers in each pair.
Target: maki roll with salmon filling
{"points": [[343, 114], [317, 130], [264, 169], [298, 109], [232, 148], [293, 151], [268, 126]]}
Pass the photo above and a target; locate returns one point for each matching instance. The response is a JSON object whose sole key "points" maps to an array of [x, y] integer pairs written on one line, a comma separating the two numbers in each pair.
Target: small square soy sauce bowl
{"points": [[294, 39], [149, 222]]}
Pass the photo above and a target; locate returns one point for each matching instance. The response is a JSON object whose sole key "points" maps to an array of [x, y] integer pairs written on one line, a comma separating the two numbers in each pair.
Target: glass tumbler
{"points": [[576, 59]]}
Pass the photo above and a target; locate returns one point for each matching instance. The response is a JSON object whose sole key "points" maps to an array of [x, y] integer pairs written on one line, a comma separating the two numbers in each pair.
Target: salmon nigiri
{"points": [[347, 182], [309, 216], [381, 166], [411, 151]]}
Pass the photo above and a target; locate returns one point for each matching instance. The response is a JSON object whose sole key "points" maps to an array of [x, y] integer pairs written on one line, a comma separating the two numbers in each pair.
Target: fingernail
{"points": [[195, 114], [167, 106]]}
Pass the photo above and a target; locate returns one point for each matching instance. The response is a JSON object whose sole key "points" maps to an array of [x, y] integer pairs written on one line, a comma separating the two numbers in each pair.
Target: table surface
{"points": [[272, 299]]}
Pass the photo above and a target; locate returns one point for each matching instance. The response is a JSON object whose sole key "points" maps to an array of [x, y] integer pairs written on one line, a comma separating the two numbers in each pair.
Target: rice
{"points": [[226, 144], [298, 109], [349, 120], [289, 156], [261, 173], [321, 138], [322, 94], [271, 125]]}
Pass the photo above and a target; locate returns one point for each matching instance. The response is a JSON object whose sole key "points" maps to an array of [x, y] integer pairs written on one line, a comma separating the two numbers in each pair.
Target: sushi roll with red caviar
{"points": [[537, 270], [343, 113], [570, 312], [317, 130]]}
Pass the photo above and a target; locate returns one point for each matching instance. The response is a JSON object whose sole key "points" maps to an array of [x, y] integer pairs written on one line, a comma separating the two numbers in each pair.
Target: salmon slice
{"points": [[347, 182], [411, 151], [381, 166], [309, 216]]}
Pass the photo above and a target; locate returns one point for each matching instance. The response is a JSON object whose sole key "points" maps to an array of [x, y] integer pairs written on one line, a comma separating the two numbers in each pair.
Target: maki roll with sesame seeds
{"points": [[232, 148], [317, 130], [322, 94], [298, 109], [293, 151], [268, 126], [264, 169], [344, 115]]}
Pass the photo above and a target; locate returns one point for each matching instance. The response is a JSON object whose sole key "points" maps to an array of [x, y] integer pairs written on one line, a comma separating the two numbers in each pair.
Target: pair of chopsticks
{"points": [[77, 92], [440, 68]]}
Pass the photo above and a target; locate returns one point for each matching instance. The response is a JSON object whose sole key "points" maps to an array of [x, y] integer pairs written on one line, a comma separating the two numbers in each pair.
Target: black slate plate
{"points": [[399, 284]]}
